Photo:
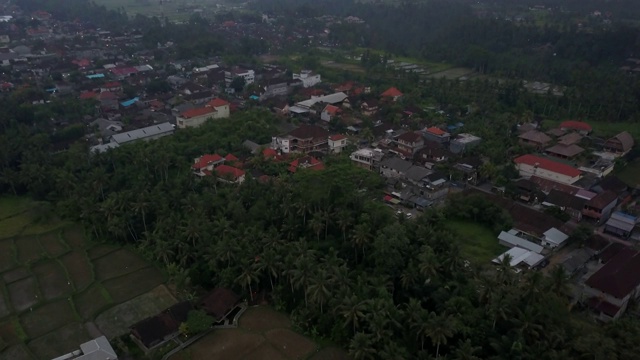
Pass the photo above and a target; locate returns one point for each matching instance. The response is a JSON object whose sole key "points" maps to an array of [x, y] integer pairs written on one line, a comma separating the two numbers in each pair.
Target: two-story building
{"points": [[304, 139], [600, 207], [463, 142], [619, 144], [308, 78], [534, 138], [410, 142], [437, 135], [394, 167], [249, 76], [337, 143], [392, 94], [531, 165], [367, 158]]}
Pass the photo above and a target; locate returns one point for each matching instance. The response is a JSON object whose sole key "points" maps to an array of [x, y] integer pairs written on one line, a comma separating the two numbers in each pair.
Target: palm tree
{"points": [[318, 288], [360, 238], [164, 251], [361, 347], [428, 263], [140, 206], [316, 225], [269, 262], [439, 330], [466, 351], [344, 221], [352, 309], [248, 277]]}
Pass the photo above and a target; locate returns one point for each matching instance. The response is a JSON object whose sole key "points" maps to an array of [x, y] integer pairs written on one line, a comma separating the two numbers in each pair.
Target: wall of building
{"points": [[527, 170]]}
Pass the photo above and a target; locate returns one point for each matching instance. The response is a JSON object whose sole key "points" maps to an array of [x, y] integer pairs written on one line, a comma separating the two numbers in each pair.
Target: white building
{"points": [[367, 158], [531, 165], [554, 238], [511, 239], [96, 349], [249, 76], [337, 143], [308, 78], [215, 109], [520, 256], [149, 133]]}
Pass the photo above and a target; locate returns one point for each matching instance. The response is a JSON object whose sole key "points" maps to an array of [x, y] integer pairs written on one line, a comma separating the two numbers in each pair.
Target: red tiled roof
{"points": [[603, 199], [107, 95], [620, 276], [88, 95], [111, 85], [217, 102], [197, 112], [124, 71], [337, 137], [231, 157], [205, 160], [228, 171], [332, 110], [81, 62], [436, 131], [307, 162], [269, 153], [576, 125], [548, 165], [391, 92], [411, 137]]}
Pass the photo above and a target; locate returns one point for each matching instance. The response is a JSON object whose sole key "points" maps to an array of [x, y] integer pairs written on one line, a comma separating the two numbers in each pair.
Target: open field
{"points": [[342, 66], [478, 243], [48, 290], [174, 10], [452, 73], [262, 333], [630, 174]]}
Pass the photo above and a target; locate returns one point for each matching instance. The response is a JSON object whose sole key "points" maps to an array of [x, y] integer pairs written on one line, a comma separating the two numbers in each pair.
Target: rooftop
{"points": [[548, 165], [143, 133], [620, 276]]}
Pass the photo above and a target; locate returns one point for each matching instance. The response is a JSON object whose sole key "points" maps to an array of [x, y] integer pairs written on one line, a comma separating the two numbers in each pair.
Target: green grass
{"points": [[478, 243], [630, 174], [12, 205]]}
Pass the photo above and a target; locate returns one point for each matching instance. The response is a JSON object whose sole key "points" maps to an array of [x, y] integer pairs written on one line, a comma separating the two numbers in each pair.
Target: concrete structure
{"points": [[96, 349], [249, 76], [410, 142], [304, 139], [531, 165], [463, 142], [367, 158], [436, 135], [148, 133], [510, 239], [520, 256], [554, 238], [621, 224], [599, 207], [308, 78], [215, 109], [394, 167], [337, 143]]}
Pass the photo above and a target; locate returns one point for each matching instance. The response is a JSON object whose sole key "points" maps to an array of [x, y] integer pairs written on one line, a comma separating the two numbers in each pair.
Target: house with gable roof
{"points": [[619, 144], [437, 135], [330, 112], [215, 109], [410, 142], [392, 93], [304, 139]]}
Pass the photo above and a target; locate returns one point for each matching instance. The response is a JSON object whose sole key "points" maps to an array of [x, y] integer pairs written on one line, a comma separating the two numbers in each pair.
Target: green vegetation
{"points": [[477, 242], [48, 287]]}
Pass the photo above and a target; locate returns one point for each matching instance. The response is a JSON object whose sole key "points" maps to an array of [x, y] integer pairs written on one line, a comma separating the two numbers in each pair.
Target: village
{"points": [[560, 181]]}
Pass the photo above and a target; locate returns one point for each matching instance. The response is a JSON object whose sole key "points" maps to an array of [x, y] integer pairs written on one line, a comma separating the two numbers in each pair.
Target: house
{"points": [[155, 331], [620, 224], [280, 107], [579, 126], [599, 207], [519, 256], [219, 303], [554, 238], [148, 133], [435, 186], [199, 98], [305, 162], [437, 135], [463, 142], [330, 112], [308, 78], [410, 142], [215, 109], [564, 151], [531, 165], [470, 166], [367, 158], [534, 138], [417, 174], [229, 174], [619, 144], [108, 101], [303, 139], [392, 93], [570, 204], [570, 139], [394, 167], [610, 289], [511, 239], [205, 164], [337, 143], [274, 88], [307, 106], [369, 107], [249, 76], [106, 128], [96, 349], [113, 86], [431, 153]]}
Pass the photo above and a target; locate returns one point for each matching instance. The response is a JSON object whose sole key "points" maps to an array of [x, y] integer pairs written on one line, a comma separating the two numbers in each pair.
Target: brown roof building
{"points": [[620, 143], [618, 281], [219, 302], [565, 151], [534, 138], [154, 331], [599, 208]]}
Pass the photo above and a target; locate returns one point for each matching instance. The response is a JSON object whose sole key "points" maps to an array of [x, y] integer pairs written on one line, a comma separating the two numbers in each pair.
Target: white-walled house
{"points": [[308, 78], [531, 165], [215, 109], [337, 143]]}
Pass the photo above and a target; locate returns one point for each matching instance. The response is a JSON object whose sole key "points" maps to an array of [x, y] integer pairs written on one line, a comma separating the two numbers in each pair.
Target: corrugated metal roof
{"points": [[519, 242], [142, 133]]}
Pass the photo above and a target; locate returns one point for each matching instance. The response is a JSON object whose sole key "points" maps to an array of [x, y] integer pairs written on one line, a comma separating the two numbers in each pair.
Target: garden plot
{"points": [[52, 280], [127, 262], [47, 318], [24, 293], [91, 301], [74, 237], [29, 250], [7, 255], [131, 285], [78, 268], [58, 342], [52, 244]]}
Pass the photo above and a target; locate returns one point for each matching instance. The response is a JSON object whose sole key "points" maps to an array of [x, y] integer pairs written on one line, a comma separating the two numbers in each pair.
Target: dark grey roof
{"points": [[143, 133], [395, 163], [417, 173]]}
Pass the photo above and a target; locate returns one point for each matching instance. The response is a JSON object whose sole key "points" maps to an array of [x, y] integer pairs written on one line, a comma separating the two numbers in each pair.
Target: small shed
{"points": [[554, 238]]}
